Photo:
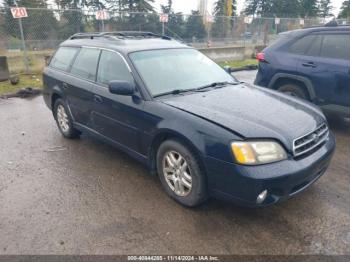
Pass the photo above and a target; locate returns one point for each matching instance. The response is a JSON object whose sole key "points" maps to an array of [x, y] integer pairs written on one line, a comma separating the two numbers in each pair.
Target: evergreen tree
{"points": [[222, 24], [272, 8], [325, 8], [286, 8], [308, 8], [168, 8], [195, 27], [77, 4], [264, 8], [176, 24], [345, 10], [39, 25]]}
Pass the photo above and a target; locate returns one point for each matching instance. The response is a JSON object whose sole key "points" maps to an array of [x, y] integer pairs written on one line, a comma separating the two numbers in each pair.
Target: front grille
{"points": [[310, 141]]}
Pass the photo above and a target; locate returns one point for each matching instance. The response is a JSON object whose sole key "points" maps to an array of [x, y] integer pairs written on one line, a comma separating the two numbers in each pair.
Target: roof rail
{"points": [[85, 35], [119, 35]]}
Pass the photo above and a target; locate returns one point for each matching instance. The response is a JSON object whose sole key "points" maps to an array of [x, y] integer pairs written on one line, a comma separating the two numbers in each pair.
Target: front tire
{"points": [[293, 90], [180, 173], [64, 120]]}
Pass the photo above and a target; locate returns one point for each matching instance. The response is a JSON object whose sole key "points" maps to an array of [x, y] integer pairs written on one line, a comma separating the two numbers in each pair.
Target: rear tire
{"points": [[294, 90], [180, 173], [64, 120]]}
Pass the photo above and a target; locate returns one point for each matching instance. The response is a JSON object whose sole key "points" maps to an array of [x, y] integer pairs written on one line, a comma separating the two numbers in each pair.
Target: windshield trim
{"points": [[154, 97]]}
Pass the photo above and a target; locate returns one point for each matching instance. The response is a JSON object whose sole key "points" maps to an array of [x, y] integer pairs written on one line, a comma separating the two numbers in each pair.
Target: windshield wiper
{"points": [[216, 85], [176, 92], [198, 89]]}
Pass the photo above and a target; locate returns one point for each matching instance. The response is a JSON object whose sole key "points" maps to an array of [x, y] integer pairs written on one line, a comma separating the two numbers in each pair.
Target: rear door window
{"points": [[85, 65], [301, 46], [336, 46], [63, 58]]}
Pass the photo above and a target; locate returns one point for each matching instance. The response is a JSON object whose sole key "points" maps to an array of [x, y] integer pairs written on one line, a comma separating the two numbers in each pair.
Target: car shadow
{"points": [[338, 124]]}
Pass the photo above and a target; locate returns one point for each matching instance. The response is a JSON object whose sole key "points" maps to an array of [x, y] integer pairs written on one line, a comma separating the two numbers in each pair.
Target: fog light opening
{"points": [[261, 197]]}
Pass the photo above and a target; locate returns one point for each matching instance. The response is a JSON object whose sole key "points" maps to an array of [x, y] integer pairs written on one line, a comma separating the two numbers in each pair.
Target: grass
{"points": [[239, 63], [24, 81], [36, 61]]}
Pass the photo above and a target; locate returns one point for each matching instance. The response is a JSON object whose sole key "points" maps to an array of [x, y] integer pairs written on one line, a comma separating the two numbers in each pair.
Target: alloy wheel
{"points": [[177, 173], [62, 118]]}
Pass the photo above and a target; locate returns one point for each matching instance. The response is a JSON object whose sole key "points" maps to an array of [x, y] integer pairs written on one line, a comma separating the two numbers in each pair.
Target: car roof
{"points": [[319, 29], [124, 42]]}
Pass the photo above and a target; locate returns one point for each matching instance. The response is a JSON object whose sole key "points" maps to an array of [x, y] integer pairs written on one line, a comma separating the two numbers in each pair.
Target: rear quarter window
{"points": [[301, 46], [63, 58], [336, 46]]}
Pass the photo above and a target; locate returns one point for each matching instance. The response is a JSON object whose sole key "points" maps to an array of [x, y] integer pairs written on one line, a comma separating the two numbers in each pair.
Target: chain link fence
{"points": [[44, 29]]}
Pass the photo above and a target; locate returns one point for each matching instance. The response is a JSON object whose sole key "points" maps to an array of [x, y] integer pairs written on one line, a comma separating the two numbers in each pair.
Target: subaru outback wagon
{"points": [[312, 64], [188, 120]]}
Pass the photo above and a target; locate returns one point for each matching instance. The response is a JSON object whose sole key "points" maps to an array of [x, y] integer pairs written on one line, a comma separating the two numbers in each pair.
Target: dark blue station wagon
{"points": [[175, 110]]}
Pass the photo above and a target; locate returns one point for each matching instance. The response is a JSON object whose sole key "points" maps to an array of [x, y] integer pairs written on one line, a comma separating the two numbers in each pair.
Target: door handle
{"points": [[309, 64], [98, 99], [65, 85]]}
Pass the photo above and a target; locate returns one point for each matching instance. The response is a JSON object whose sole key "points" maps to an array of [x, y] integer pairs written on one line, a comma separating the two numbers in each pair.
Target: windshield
{"points": [[164, 71]]}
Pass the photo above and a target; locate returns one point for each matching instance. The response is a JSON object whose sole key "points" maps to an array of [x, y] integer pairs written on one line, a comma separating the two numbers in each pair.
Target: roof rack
{"points": [[119, 35]]}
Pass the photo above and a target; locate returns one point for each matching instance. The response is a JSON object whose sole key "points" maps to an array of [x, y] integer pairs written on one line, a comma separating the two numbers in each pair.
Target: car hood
{"points": [[252, 112]]}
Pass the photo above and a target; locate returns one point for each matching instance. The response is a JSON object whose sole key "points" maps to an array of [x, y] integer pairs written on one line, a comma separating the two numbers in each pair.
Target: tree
{"points": [[325, 8], [308, 8], [176, 24], [223, 24], [168, 8], [77, 4], [264, 8], [345, 10], [275, 8], [194, 26], [286, 8], [39, 25], [138, 5]]}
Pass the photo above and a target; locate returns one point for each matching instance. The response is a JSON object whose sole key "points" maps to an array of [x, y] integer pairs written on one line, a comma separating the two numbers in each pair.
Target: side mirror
{"points": [[123, 88]]}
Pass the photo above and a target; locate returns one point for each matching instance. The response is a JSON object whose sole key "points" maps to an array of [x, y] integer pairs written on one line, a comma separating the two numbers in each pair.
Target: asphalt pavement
{"points": [[60, 196]]}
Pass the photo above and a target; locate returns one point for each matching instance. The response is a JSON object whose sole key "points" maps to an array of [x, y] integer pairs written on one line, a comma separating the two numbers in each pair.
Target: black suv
{"points": [[187, 119], [312, 64]]}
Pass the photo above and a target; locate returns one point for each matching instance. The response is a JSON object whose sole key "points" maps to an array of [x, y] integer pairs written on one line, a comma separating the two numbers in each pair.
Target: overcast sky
{"points": [[186, 6]]}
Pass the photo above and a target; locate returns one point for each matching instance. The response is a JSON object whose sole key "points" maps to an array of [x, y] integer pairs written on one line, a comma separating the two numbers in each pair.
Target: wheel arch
{"points": [[54, 97], [280, 78], [167, 134], [58, 94]]}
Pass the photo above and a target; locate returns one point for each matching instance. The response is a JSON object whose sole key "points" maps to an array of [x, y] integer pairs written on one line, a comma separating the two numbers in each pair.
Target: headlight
{"points": [[258, 152]]}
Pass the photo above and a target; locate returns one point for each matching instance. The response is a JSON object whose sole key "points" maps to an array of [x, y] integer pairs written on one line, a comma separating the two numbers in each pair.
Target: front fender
{"points": [[205, 137]]}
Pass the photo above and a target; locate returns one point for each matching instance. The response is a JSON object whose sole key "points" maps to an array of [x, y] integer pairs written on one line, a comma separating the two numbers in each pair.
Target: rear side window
{"points": [[336, 46], [63, 58], [85, 65], [301, 46], [112, 67]]}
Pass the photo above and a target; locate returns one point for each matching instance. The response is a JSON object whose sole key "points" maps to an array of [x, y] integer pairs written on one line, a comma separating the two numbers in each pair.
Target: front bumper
{"points": [[242, 184]]}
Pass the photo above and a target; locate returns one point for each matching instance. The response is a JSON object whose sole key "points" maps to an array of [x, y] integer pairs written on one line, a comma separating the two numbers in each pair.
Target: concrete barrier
{"points": [[231, 53], [4, 69]]}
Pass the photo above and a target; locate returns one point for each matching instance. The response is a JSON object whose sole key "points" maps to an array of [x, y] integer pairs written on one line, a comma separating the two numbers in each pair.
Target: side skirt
{"points": [[139, 157]]}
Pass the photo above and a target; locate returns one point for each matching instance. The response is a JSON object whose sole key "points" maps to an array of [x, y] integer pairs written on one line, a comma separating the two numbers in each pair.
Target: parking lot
{"points": [[81, 196]]}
